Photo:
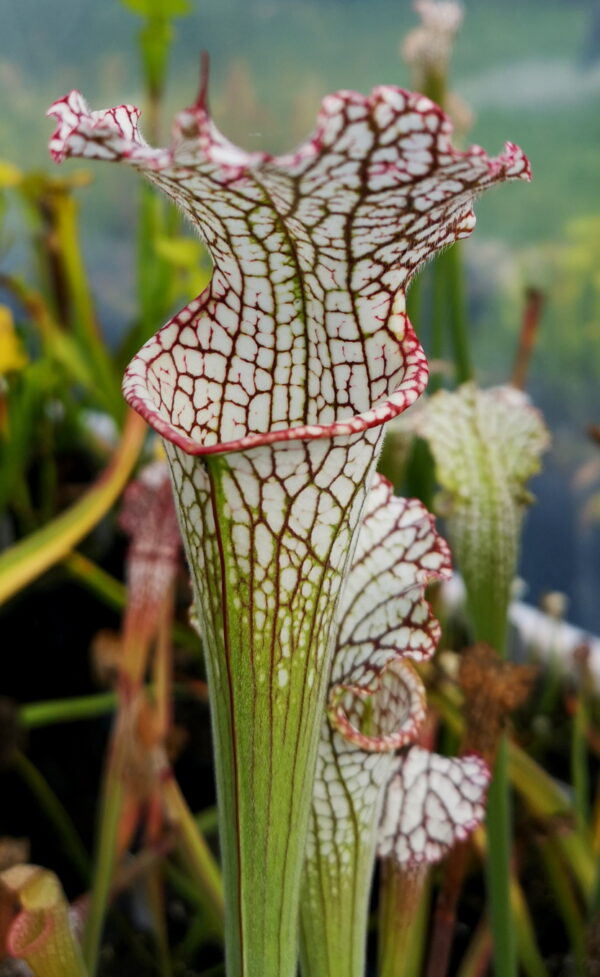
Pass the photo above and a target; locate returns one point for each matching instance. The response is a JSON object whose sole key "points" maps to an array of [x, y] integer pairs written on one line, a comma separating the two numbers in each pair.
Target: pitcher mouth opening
{"points": [[379, 414], [177, 424], [322, 242]]}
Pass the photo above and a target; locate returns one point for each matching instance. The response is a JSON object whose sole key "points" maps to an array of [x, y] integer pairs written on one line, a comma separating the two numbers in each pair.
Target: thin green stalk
{"points": [[414, 302], [438, 319], [498, 825], [156, 900], [435, 84], [193, 939], [547, 802], [488, 612], [154, 274], [98, 581], [178, 877], [57, 814], [475, 962], [201, 929], [114, 593], [200, 861], [47, 713], [457, 315], [565, 900], [420, 481], [86, 328], [579, 764], [207, 820], [489, 619], [530, 957], [105, 861]]}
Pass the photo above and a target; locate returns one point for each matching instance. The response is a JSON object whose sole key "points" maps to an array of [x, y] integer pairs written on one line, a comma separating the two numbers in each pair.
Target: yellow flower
{"points": [[10, 175], [12, 354]]}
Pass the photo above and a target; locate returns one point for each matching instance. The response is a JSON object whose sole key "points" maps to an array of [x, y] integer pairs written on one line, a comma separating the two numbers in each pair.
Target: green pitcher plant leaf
{"points": [[270, 390], [486, 444], [376, 705], [413, 807], [40, 932], [384, 618], [36, 553]]}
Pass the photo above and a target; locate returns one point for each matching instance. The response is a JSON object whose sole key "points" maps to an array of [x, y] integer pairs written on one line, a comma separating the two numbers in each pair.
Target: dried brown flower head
{"points": [[493, 688]]}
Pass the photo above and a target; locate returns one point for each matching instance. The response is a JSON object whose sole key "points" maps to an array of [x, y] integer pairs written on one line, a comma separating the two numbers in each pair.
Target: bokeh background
{"points": [[529, 70]]}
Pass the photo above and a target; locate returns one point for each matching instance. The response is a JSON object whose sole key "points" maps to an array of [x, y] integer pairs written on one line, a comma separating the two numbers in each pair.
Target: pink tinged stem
{"points": [[401, 896], [148, 517], [270, 389]]}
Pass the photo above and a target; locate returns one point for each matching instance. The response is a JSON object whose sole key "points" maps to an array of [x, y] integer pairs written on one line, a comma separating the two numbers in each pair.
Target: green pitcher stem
{"points": [[376, 705], [487, 444], [334, 913], [403, 905], [459, 325], [267, 581], [264, 778]]}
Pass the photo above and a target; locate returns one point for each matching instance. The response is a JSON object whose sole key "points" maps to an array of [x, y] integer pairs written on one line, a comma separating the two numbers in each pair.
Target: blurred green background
{"points": [[530, 72]]}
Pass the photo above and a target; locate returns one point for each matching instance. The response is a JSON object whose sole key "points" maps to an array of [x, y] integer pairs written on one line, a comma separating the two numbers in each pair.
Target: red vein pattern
{"points": [[431, 803], [149, 518], [376, 705], [269, 534], [302, 331], [385, 619], [377, 700], [280, 376]]}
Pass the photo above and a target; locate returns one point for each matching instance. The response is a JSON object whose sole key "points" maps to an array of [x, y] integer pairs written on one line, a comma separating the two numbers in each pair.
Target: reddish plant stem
{"points": [[534, 302], [444, 921], [401, 893], [477, 959]]}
